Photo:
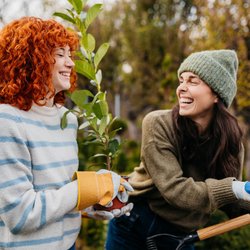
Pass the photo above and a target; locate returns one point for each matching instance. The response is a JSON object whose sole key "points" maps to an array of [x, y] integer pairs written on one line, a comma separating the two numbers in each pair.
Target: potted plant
{"points": [[92, 106]]}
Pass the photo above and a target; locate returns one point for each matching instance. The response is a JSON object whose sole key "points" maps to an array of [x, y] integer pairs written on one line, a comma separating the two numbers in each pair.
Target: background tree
{"points": [[226, 24], [148, 39]]}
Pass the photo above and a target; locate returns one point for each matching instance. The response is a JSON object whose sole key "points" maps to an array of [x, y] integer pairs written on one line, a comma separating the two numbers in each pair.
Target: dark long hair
{"points": [[219, 150]]}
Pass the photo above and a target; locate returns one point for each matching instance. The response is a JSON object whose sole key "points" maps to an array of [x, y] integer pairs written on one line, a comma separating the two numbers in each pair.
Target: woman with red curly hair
{"points": [[39, 202]]}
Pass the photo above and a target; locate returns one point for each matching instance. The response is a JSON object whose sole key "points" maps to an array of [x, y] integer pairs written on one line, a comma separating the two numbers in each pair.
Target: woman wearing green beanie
{"points": [[191, 158]]}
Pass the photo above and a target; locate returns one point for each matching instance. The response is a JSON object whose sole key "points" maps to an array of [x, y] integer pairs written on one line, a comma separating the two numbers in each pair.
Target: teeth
{"points": [[65, 74], [186, 100]]}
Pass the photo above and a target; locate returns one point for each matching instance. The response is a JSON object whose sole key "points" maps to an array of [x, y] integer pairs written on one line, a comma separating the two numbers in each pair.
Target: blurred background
{"points": [[148, 41]]}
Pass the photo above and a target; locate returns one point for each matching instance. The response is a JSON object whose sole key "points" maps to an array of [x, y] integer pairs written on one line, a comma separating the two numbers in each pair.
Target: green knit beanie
{"points": [[218, 68]]}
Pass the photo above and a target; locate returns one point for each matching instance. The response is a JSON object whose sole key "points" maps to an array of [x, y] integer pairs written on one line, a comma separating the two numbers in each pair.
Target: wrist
{"points": [[241, 189], [238, 187]]}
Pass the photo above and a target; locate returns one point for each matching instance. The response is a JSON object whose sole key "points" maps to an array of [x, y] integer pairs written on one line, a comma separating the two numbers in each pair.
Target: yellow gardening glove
{"points": [[98, 187]]}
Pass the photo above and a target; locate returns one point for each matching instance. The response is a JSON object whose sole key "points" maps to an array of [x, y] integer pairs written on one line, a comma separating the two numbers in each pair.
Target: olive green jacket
{"points": [[179, 194]]}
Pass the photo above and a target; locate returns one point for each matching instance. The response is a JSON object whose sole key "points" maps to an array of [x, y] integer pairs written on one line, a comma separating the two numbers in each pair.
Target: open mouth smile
{"points": [[65, 74], [186, 100]]}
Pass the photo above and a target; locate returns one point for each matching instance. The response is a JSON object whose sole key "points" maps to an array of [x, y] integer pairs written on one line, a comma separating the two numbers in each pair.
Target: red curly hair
{"points": [[26, 60]]}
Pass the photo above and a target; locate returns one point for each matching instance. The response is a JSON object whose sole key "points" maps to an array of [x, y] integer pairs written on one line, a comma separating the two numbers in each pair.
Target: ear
{"points": [[216, 99]]}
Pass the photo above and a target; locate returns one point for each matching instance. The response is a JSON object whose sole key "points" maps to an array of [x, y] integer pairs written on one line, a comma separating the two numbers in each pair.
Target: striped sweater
{"points": [[37, 161]]}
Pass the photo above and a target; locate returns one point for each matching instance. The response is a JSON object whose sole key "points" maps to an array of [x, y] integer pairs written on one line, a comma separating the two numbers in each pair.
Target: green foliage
{"points": [[119, 125], [128, 157], [231, 19], [145, 36], [93, 233], [93, 109]]}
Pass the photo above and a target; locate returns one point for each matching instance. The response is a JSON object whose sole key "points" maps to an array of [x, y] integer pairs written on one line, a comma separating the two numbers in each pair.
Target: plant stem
{"points": [[108, 162]]}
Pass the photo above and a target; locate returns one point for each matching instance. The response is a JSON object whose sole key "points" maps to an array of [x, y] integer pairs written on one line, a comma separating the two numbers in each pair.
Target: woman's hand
{"points": [[124, 210], [241, 190], [100, 187], [121, 187], [90, 212]]}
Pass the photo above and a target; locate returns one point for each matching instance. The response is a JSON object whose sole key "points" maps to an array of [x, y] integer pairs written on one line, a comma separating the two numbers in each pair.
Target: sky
{"points": [[13, 9]]}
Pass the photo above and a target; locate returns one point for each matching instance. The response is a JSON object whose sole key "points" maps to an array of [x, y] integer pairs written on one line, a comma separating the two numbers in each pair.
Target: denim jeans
{"points": [[73, 247], [130, 232]]}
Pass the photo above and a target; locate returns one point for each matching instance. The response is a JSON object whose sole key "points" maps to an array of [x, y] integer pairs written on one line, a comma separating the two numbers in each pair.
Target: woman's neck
{"points": [[49, 102], [203, 124]]}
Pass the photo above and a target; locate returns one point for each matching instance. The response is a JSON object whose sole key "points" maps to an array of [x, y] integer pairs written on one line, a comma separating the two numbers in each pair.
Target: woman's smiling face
{"points": [[62, 68], [196, 98]]}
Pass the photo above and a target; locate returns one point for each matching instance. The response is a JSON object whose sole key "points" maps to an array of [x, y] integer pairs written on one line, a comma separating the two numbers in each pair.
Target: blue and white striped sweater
{"points": [[37, 161]]}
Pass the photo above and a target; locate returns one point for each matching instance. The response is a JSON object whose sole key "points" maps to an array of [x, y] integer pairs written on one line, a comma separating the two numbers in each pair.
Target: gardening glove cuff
{"points": [[121, 187], [94, 188], [90, 212], [241, 190]]}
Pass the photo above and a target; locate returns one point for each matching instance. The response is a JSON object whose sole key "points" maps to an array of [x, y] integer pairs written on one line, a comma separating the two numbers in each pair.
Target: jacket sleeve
{"points": [[22, 209], [240, 206], [160, 157]]}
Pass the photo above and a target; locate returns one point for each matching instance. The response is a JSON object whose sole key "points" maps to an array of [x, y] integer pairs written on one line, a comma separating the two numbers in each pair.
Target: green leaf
{"points": [[92, 82], [64, 16], [71, 13], [112, 122], [84, 42], [103, 125], [98, 76], [79, 24], [93, 123], [88, 109], [98, 155], [100, 96], [100, 109], [91, 43], [64, 121], [92, 14], [113, 146], [88, 43], [101, 52], [80, 97], [79, 55], [84, 125], [84, 53], [85, 68], [114, 132], [94, 142], [77, 5]]}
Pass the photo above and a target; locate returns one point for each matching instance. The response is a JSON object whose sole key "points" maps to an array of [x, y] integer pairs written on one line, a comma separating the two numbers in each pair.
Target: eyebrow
{"points": [[60, 49], [63, 50], [191, 77]]}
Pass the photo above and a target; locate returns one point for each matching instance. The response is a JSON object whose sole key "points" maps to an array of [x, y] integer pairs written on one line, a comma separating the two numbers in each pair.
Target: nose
{"points": [[182, 87], [69, 62]]}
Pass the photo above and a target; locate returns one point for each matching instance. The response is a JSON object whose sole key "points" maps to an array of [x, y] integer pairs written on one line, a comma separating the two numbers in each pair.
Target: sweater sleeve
{"points": [[160, 157], [22, 209]]}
